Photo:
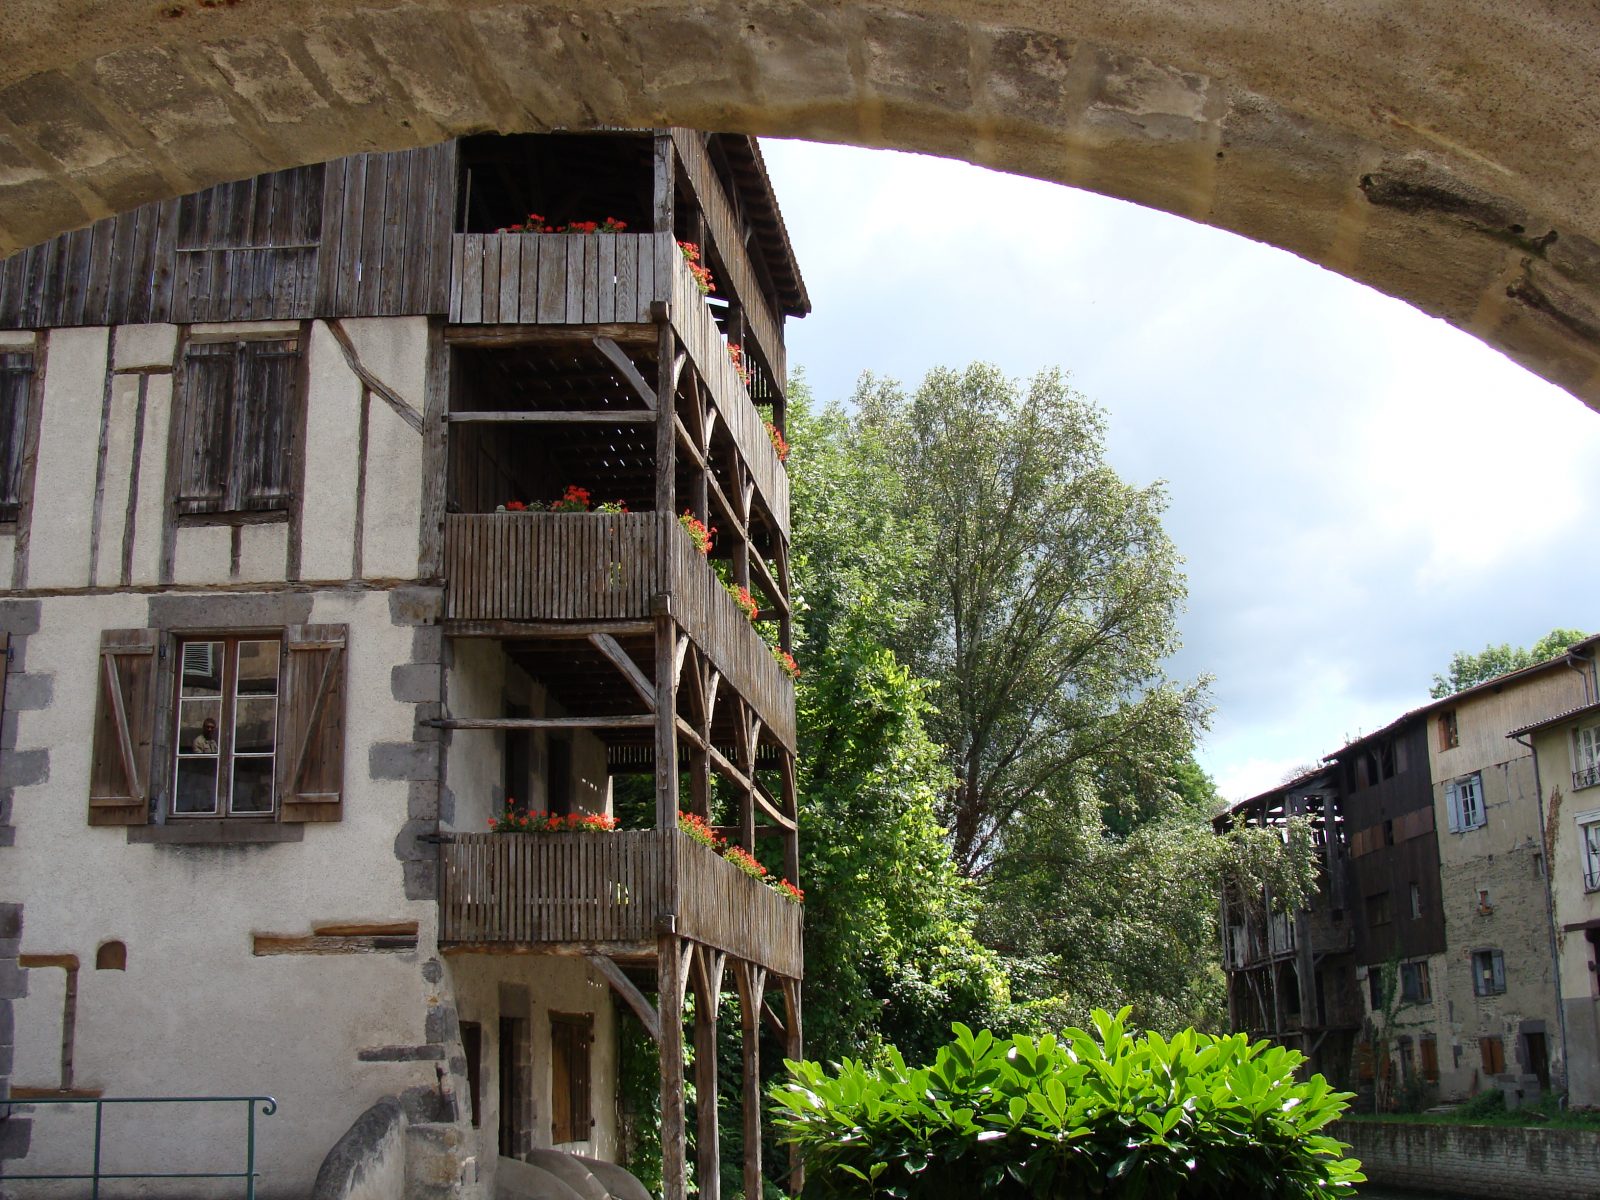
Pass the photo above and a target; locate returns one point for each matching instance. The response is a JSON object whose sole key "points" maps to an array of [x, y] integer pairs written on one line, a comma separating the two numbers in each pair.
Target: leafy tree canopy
{"points": [[1468, 670]]}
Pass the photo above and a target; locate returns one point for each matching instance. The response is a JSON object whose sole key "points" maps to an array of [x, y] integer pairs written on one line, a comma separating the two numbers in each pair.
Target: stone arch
{"points": [[1443, 155]]}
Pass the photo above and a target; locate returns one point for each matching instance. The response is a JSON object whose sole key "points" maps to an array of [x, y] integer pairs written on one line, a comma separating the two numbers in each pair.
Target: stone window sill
{"points": [[215, 833]]}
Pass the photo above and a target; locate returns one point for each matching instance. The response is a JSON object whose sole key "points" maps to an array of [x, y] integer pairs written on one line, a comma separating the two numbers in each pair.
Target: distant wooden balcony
{"points": [[611, 893], [505, 568]]}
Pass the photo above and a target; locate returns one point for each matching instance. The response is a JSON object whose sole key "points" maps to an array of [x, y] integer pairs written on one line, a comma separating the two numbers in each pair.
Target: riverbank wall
{"points": [[1492, 1162]]}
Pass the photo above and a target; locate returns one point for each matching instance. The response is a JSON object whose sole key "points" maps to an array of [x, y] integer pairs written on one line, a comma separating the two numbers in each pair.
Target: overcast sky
{"points": [[1358, 489]]}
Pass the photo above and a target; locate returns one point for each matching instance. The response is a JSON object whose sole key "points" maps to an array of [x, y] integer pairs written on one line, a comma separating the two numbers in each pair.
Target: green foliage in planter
{"points": [[1113, 1115]]}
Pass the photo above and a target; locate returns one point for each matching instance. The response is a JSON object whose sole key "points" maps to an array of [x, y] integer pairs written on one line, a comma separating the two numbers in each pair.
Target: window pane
{"points": [[198, 724], [252, 784], [202, 668], [255, 725], [258, 668], [196, 789]]}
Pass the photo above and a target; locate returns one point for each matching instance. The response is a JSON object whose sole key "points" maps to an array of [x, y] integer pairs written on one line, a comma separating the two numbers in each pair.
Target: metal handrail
{"points": [[268, 1107]]}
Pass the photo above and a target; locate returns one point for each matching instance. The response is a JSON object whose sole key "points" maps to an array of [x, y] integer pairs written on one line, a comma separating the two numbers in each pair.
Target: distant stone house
{"points": [[284, 632], [1467, 905], [1566, 750]]}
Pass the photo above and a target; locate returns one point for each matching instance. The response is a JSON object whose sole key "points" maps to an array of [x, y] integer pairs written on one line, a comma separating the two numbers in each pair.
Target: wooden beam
{"points": [[555, 631], [751, 981], [624, 987], [383, 391], [674, 1159], [612, 649], [502, 336], [591, 417], [629, 372], [707, 966], [617, 721]]}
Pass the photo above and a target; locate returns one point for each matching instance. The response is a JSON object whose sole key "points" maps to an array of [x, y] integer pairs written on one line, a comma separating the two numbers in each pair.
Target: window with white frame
{"points": [[1464, 797], [227, 727], [1586, 756], [1589, 849]]}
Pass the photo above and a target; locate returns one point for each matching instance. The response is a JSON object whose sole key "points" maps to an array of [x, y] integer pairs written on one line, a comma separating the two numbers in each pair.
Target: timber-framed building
{"points": [[344, 511]]}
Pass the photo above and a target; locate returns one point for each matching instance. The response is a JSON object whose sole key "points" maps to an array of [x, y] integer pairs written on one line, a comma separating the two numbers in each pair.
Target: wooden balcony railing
{"points": [[532, 890], [509, 567]]}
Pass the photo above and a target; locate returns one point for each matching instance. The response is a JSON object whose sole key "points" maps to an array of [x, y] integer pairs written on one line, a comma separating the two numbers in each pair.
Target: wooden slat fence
{"points": [[723, 226], [554, 278], [550, 566], [532, 889], [525, 888], [720, 905], [700, 336], [604, 566], [719, 627]]}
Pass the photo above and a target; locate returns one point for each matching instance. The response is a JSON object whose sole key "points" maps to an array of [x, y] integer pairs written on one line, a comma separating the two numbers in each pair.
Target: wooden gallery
{"points": [[398, 718]]}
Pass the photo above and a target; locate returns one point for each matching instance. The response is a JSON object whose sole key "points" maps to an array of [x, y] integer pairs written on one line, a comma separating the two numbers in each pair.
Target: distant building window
{"points": [[1449, 734], [1464, 797], [1589, 849], [1375, 988], [571, 1036], [240, 422], [1378, 909], [1415, 987], [16, 387], [1416, 901], [1586, 757], [1488, 972]]}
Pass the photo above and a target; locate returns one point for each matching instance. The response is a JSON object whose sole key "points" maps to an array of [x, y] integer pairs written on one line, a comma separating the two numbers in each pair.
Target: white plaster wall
{"points": [[69, 443], [333, 409], [152, 480], [196, 1013], [202, 554], [394, 350], [144, 346], [555, 984], [8, 559], [263, 552], [122, 419]]}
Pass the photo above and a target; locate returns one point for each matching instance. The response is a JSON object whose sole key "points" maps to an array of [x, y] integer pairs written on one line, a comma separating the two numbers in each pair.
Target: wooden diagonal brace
{"points": [[634, 998], [612, 649], [627, 370]]}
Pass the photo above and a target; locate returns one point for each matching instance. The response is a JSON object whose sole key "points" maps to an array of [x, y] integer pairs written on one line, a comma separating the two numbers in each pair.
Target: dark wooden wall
{"points": [[364, 236], [1414, 859]]}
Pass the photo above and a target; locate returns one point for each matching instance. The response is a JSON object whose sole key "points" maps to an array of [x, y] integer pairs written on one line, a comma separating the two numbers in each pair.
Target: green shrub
{"points": [[1113, 1116]]}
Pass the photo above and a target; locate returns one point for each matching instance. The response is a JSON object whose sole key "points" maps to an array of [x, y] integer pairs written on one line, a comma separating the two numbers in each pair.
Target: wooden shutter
{"points": [[16, 384], [1493, 1052], [311, 724], [1453, 800], [1430, 1059], [208, 428], [124, 725], [571, 1110], [266, 410]]}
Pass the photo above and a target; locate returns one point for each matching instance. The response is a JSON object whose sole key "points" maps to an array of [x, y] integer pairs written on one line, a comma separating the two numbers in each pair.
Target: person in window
{"points": [[205, 741]]}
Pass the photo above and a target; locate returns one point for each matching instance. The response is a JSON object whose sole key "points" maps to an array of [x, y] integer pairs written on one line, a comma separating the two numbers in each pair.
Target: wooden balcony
{"points": [[505, 568], [612, 893], [604, 279]]}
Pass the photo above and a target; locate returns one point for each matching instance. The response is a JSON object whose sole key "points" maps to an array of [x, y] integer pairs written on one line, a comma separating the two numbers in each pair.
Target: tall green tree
{"points": [[890, 952], [1046, 595], [1467, 669]]}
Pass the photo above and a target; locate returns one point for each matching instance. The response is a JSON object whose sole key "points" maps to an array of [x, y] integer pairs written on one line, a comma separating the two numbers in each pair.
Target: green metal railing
{"points": [[249, 1174]]}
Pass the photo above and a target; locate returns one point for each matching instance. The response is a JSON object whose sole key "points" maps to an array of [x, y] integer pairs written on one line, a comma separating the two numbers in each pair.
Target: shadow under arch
{"points": [[1443, 156]]}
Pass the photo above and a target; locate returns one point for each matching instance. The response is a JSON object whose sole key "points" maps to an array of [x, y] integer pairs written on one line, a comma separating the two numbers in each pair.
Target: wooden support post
{"points": [[752, 983], [666, 680], [793, 1048], [666, 724], [674, 1152], [780, 552], [708, 967], [747, 764], [791, 837]]}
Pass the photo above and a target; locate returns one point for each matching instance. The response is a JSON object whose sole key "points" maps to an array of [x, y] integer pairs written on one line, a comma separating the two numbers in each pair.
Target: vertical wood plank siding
{"points": [[699, 335], [527, 889], [604, 566], [372, 240], [731, 249], [552, 278]]}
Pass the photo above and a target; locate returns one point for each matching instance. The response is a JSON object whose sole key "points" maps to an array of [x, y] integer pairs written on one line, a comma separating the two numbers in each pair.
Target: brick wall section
{"points": [[1479, 1161]]}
